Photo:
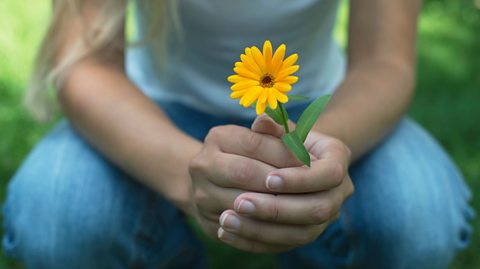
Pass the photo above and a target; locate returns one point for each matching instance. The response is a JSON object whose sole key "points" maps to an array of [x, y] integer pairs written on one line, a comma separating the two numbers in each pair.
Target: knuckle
{"points": [[213, 134], [197, 165], [348, 152], [251, 142], [341, 147], [350, 188], [200, 198], [320, 213], [338, 173], [337, 143], [273, 210], [242, 174]]}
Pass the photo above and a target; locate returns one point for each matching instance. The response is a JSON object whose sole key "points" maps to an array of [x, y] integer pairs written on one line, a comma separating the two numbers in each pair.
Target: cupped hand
{"points": [[299, 202], [233, 160]]}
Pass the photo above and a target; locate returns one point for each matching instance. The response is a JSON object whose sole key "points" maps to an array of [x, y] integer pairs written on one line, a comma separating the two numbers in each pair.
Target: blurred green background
{"points": [[447, 101]]}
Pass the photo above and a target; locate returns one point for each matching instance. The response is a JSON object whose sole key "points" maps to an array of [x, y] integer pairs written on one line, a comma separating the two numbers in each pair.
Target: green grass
{"points": [[447, 100], [448, 96]]}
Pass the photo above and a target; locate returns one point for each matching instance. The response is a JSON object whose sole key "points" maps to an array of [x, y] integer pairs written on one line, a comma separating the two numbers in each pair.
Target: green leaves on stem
{"points": [[275, 114], [294, 140], [284, 117], [297, 97], [295, 145], [310, 116]]}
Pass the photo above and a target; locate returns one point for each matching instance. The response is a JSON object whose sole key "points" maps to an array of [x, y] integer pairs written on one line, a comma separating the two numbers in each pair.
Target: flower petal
{"points": [[244, 85], [235, 78], [285, 72], [281, 97], [251, 96], [263, 97], [249, 53], [289, 80], [291, 60], [250, 64], [239, 64], [267, 54], [238, 94], [272, 100], [260, 107], [246, 73], [278, 59], [282, 87], [257, 55]]}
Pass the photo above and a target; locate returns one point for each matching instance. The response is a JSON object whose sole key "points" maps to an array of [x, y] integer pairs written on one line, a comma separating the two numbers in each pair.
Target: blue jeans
{"points": [[69, 207]]}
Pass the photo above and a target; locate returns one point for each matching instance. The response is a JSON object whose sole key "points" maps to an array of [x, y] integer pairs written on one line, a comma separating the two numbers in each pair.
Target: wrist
{"points": [[173, 180], [332, 125]]}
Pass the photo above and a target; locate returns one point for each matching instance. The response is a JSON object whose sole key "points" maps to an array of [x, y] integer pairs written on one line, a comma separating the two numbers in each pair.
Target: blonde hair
{"points": [[100, 34]]}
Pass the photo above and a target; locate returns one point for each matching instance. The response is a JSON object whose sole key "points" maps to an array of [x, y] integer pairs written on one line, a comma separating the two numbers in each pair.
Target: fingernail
{"points": [[274, 182], [246, 207], [230, 222], [224, 236]]}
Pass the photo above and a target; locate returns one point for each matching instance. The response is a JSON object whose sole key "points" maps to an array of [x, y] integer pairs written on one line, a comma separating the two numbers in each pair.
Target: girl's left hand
{"points": [[302, 201]]}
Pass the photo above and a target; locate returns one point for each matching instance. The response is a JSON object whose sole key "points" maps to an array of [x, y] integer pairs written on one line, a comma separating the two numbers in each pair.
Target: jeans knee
{"points": [[72, 212], [407, 241], [68, 207], [44, 230]]}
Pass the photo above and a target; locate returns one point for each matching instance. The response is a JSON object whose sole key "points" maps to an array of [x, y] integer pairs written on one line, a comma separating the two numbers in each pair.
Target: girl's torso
{"points": [[213, 35]]}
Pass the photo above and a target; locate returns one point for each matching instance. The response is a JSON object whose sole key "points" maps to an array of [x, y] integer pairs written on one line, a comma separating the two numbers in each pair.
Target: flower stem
{"points": [[284, 117]]}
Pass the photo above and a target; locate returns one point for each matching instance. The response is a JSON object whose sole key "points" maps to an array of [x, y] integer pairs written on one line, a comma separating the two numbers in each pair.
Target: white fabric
{"points": [[215, 33]]}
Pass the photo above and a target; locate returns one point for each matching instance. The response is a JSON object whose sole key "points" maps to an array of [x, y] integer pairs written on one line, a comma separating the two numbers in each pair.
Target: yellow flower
{"points": [[263, 77]]}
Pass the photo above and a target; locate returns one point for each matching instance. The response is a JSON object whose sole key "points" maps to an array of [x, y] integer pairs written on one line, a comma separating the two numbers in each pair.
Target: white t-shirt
{"points": [[216, 32]]}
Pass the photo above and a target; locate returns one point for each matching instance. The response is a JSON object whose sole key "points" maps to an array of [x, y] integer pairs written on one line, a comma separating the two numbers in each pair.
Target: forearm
{"points": [[130, 130], [381, 72], [369, 102]]}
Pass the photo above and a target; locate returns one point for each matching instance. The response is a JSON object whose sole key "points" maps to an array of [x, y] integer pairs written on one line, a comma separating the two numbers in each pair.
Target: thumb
{"points": [[265, 125]]}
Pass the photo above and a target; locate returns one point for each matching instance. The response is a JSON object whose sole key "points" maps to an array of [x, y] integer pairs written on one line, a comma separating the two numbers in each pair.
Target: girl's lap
{"points": [[410, 207]]}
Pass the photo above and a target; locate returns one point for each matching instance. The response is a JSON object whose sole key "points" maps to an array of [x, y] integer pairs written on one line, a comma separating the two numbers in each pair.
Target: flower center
{"points": [[267, 81]]}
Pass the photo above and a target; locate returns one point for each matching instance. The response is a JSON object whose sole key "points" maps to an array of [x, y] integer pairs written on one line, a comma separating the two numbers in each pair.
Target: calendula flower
{"points": [[263, 77]]}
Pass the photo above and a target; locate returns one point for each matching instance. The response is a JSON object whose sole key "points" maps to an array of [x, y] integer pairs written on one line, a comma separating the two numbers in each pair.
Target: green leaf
{"points": [[310, 116], [297, 97], [295, 145], [283, 113], [275, 114]]}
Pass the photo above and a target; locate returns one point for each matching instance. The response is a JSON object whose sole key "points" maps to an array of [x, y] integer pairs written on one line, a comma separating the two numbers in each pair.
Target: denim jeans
{"points": [[69, 207]]}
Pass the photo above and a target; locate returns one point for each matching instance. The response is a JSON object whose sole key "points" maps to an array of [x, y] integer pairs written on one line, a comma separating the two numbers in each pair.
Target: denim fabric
{"points": [[68, 207], [410, 210]]}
